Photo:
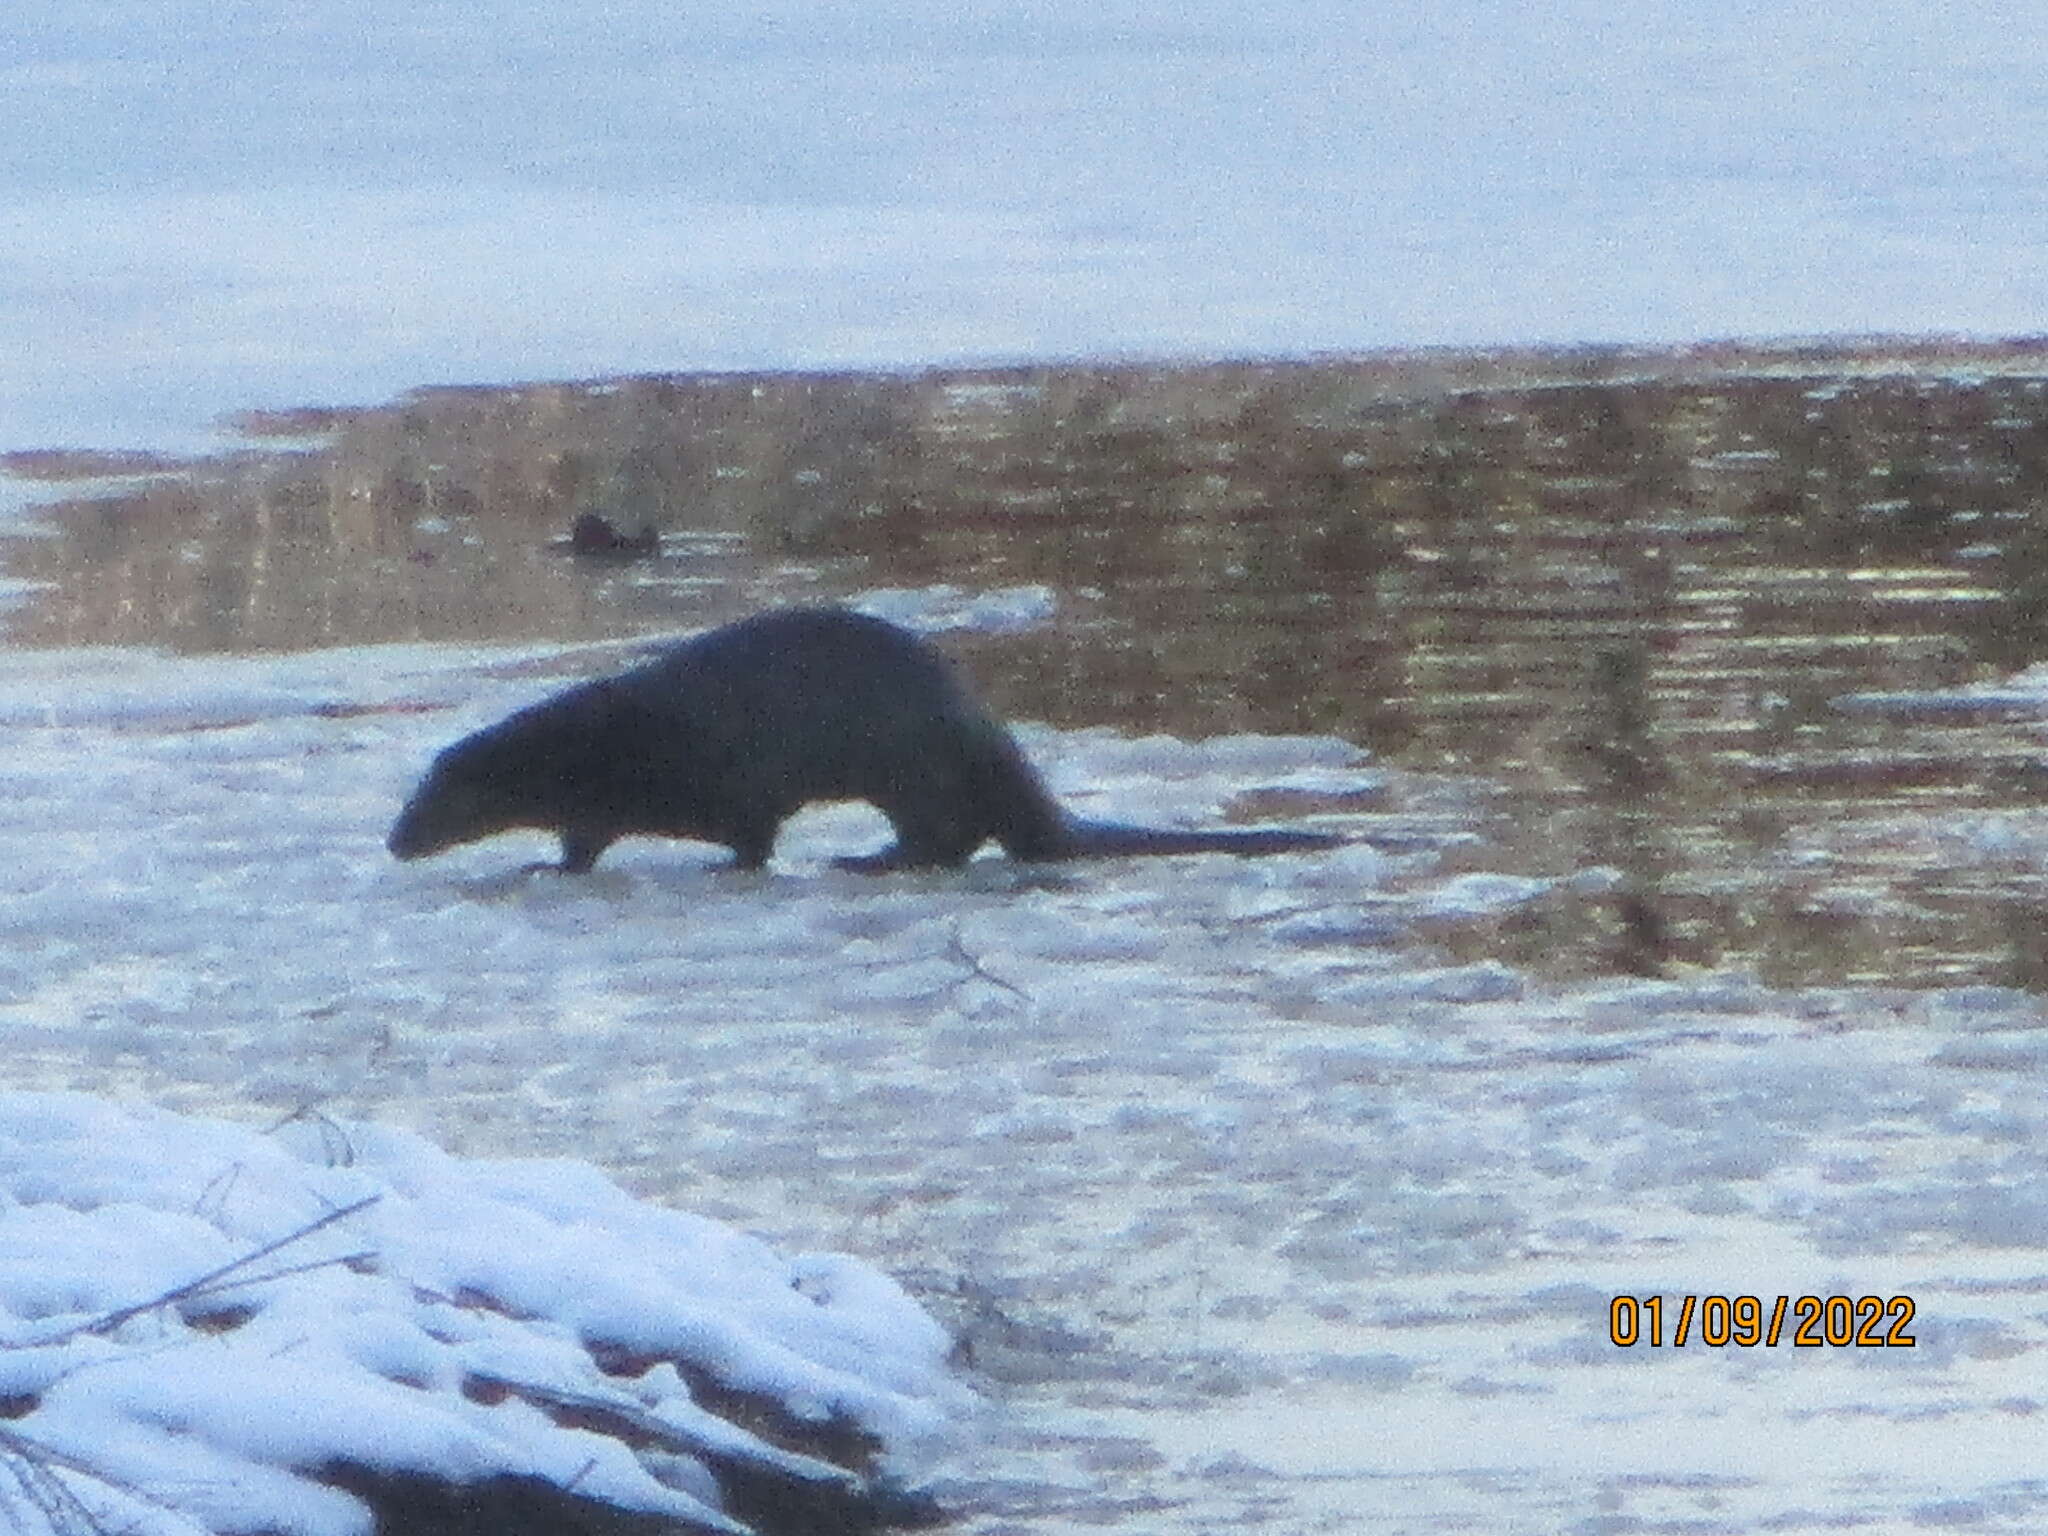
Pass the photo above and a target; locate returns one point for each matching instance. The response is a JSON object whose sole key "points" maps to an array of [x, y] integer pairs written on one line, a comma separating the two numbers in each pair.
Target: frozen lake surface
{"points": [[1253, 1212], [216, 210]]}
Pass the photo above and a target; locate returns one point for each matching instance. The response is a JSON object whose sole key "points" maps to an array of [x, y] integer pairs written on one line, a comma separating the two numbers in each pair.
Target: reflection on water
{"points": [[1629, 587]]}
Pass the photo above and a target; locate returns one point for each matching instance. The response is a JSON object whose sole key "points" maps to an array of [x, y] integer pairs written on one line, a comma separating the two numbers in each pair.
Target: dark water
{"points": [[1648, 597]]}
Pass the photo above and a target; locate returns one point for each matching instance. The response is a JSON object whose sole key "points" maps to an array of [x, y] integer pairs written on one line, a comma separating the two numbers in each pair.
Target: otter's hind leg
{"points": [[581, 847], [930, 836]]}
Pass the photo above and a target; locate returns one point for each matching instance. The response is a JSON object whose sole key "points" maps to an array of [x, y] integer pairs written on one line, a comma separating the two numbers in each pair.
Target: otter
{"points": [[722, 737]]}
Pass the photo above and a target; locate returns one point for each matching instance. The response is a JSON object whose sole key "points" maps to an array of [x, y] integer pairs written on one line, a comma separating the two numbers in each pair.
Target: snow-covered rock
{"points": [[208, 1328]]}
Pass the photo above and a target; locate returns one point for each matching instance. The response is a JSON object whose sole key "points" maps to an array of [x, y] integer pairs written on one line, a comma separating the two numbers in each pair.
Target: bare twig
{"points": [[34, 1470], [217, 1279], [361, 1256], [215, 1196], [334, 1142], [956, 950]]}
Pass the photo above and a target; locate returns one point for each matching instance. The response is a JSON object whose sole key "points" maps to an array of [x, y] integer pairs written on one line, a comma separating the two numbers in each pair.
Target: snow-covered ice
{"points": [[209, 209], [1250, 1206]]}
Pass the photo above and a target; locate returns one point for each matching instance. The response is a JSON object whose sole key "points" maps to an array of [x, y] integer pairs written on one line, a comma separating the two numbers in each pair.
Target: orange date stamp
{"points": [[1804, 1322]]}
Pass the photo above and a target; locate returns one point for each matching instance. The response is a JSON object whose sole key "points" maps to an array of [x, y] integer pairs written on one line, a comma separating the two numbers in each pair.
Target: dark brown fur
{"points": [[722, 737]]}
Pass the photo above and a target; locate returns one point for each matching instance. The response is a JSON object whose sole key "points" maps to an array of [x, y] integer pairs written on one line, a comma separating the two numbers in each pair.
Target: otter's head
{"points": [[466, 795]]}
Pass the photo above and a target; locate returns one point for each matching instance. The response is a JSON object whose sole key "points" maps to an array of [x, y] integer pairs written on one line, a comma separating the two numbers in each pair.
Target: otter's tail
{"points": [[1113, 839]]}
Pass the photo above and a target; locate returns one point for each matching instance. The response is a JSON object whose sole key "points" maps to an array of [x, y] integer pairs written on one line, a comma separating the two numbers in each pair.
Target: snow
{"points": [[1253, 1208], [342, 201], [424, 1318]]}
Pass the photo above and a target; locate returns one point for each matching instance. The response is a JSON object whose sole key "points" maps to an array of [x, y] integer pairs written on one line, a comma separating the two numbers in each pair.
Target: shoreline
{"points": [[1394, 373]]}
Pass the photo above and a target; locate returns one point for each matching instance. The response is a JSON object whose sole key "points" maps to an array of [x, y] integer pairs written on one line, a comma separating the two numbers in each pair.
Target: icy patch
{"points": [[1259, 1212], [943, 607], [197, 1321], [1165, 781], [1487, 982], [2024, 693], [1482, 895], [142, 689]]}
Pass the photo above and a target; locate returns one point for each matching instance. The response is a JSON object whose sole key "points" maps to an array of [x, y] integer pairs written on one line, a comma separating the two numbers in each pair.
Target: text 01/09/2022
{"points": [[1862, 1322]]}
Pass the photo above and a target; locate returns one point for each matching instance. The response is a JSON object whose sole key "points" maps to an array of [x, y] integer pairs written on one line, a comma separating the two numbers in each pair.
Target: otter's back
{"points": [[827, 704]]}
